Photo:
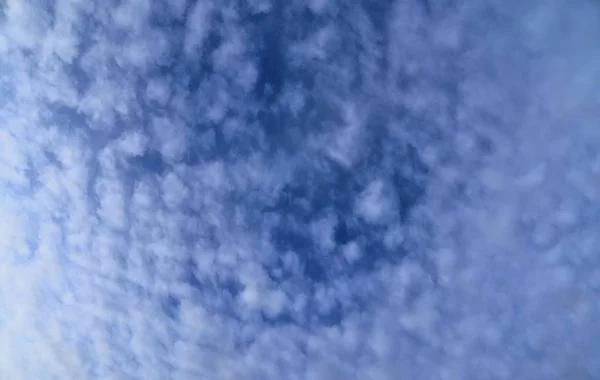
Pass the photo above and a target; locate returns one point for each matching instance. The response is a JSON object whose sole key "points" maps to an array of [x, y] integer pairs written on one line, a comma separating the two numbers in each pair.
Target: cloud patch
{"points": [[255, 191]]}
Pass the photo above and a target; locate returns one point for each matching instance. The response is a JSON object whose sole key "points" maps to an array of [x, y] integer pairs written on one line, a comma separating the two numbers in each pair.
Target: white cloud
{"points": [[352, 251], [133, 143], [322, 231], [374, 204], [12, 161], [113, 265], [343, 145], [27, 23], [318, 6], [174, 191], [112, 202], [158, 90], [171, 137], [198, 25], [394, 236]]}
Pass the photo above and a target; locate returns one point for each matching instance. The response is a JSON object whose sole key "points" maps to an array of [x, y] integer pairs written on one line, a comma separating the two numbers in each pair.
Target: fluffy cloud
{"points": [[204, 190]]}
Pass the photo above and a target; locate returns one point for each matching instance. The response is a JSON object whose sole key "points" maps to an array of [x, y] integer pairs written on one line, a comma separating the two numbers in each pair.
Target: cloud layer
{"points": [[250, 190]]}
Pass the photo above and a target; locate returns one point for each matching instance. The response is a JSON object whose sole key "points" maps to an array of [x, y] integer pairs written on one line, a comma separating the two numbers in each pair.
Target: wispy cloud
{"points": [[197, 190]]}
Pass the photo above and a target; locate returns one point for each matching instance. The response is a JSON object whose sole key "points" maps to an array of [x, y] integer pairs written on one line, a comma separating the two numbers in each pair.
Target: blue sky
{"points": [[299, 190]]}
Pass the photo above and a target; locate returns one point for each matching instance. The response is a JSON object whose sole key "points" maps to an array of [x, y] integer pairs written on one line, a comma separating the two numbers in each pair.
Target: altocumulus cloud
{"points": [[299, 190]]}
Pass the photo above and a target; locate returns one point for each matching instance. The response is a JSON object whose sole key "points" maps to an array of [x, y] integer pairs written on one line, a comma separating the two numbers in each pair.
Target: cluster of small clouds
{"points": [[416, 197]]}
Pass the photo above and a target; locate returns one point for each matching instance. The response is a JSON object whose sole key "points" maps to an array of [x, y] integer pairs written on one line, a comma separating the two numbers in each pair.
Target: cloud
{"points": [[415, 198], [373, 205], [198, 24]]}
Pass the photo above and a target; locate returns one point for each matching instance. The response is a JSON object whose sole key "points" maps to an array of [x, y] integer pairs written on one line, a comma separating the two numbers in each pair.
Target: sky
{"points": [[319, 189]]}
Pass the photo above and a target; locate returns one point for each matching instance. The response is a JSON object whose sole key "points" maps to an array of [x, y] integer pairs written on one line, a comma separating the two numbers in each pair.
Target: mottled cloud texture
{"points": [[299, 189]]}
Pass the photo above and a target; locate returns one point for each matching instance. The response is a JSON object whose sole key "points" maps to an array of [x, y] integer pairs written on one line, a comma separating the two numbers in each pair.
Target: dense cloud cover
{"points": [[311, 190]]}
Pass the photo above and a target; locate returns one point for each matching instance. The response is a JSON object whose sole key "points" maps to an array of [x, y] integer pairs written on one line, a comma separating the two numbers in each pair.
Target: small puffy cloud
{"points": [[174, 191], [171, 137], [318, 6], [198, 26], [323, 231], [375, 203], [111, 197], [394, 236], [352, 251], [133, 143], [158, 90], [344, 145]]}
